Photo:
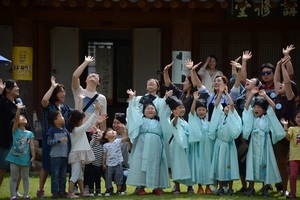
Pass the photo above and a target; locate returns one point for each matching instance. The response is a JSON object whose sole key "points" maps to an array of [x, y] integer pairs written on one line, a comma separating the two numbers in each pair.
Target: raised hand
{"points": [[188, 63], [254, 90], [81, 96], [262, 93], [283, 121], [196, 95], [89, 59], [131, 93], [102, 118], [286, 52], [2, 86], [195, 66], [53, 83], [247, 55], [167, 67], [169, 93], [236, 64]]}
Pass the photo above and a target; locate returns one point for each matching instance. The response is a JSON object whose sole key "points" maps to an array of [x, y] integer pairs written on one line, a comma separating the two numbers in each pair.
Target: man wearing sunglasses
{"points": [[267, 77]]}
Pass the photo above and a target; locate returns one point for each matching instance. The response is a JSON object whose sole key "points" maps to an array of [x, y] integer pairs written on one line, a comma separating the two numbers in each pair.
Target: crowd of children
{"points": [[198, 135]]}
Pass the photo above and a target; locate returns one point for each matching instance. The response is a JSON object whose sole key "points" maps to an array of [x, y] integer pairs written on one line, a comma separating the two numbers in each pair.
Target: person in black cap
{"points": [[258, 121], [202, 145], [180, 155]]}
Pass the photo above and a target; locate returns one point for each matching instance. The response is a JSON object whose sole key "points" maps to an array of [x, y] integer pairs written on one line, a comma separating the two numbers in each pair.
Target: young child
{"points": [[293, 135], [112, 161], [148, 160], [201, 145], [179, 148], [81, 152], [58, 139], [94, 171], [225, 127], [259, 120], [19, 154]]}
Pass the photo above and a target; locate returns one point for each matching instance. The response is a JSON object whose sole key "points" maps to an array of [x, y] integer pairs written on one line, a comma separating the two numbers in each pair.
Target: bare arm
{"points": [[247, 55], [203, 68], [194, 77], [231, 104], [167, 79], [196, 97], [17, 117], [270, 102], [289, 66], [238, 68], [221, 90], [248, 101], [287, 83], [79, 71], [47, 96], [32, 150]]}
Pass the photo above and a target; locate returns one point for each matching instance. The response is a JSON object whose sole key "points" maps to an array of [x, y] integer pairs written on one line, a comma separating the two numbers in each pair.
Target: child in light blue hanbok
{"points": [[261, 122], [148, 160], [225, 127], [201, 145], [180, 155]]}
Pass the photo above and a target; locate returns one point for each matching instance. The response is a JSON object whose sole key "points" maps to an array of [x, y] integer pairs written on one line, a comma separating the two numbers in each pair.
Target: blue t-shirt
{"points": [[20, 150]]}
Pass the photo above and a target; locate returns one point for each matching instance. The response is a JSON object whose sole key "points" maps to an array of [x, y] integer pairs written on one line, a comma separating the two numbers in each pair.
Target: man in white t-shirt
{"points": [[92, 82]]}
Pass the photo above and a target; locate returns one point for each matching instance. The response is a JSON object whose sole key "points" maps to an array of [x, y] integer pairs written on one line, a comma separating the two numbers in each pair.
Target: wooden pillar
{"points": [[23, 37]]}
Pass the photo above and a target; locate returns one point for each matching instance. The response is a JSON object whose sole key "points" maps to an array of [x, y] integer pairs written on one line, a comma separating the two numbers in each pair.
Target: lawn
{"points": [[34, 180]]}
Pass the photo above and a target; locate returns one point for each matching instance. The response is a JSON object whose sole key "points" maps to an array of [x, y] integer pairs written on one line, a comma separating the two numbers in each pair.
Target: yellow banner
{"points": [[22, 63]]}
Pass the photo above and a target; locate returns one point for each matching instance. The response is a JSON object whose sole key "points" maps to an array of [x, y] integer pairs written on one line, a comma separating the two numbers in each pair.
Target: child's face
{"points": [[150, 111], [297, 119], [152, 85], [201, 112], [258, 111], [181, 110], [22, 120], [110, 134], [60, 120]]}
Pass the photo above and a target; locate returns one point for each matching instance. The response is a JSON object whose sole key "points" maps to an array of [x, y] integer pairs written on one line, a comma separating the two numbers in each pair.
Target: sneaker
{"points": [[291, 196], [91, 195], [72, 196], [99, 195], [265, 193], [107, 194], [176, 192], [225, 190], [41, 193], [220, 191], [26, 197], [214, 189], [230, 192], [121, 193], [191, 190], [158, 191], [13, 198], [200, 190], [250, 192]]}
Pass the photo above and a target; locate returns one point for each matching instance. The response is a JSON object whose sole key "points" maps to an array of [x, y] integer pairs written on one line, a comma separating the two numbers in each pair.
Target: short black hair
{"points": [[53, 116]]}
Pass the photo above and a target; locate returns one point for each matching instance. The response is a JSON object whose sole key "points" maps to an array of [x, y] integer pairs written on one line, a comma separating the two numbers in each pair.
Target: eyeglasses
{"points": [[263, 73]]}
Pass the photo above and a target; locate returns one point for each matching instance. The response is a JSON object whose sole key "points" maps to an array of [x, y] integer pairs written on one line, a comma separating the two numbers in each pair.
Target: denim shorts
{"points": [[3, 154]]}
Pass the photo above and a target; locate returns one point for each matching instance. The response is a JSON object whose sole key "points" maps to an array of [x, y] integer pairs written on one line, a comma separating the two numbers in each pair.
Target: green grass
{"points": [[34, 183]]}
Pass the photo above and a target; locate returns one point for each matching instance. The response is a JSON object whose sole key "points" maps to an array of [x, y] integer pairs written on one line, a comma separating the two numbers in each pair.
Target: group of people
{"points": [[211, 132]]}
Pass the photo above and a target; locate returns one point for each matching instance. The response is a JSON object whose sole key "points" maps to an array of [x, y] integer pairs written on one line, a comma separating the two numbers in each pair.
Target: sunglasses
{"points": [[266, 72]]}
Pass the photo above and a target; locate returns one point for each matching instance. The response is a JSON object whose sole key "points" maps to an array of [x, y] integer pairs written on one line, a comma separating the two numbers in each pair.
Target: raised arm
{"points": [[201, 72], [289, 66], [247, 55], [238, 68], [249, 98], [287, 83], [231, 104], [167, 79], [196, 97], [77, 73], [47, 96], [223, 87], [194, 77], [270, 101], [2, 86], [17, 117]]}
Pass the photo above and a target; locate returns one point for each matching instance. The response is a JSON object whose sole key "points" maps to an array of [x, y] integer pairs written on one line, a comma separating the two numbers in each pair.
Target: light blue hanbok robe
{"points": [[225, 129], [201, 149], [261, 165], [148, 161], [180, 155]]}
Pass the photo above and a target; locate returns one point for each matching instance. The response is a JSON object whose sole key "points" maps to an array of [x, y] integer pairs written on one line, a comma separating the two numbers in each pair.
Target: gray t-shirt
{"points": [[113, 153]]}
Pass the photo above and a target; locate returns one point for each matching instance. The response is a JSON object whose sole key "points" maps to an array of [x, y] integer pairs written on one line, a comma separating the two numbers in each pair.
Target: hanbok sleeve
{"points": [[134, 119], [164, 116], [196, 130], [214, 121], [235, 123], [179, 134], [248, 119], [278, 133]]}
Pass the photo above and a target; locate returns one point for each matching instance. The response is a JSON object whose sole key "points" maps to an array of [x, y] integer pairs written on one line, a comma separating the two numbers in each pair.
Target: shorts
{"points": [[3, 154]]}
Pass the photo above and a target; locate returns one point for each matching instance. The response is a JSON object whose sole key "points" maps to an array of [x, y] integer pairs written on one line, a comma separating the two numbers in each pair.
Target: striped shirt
{"points": [[97, 148]]}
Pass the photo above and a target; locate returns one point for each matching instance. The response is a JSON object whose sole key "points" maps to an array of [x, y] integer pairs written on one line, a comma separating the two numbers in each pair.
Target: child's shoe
{"points": [[41, 193], [291, 196], [26, 197], [99, 194], [13, 198], [107, 194], [158, 191], [265, 193], [121, 193], [141, 191], [250, 192], [208, 190], [230, 192], [73, 196], [191, 190], [200, 190], [220, 191], [176, 192]]}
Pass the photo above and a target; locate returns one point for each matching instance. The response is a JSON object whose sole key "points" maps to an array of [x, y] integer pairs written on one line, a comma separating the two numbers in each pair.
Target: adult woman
{"points": [[53, 100]]}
